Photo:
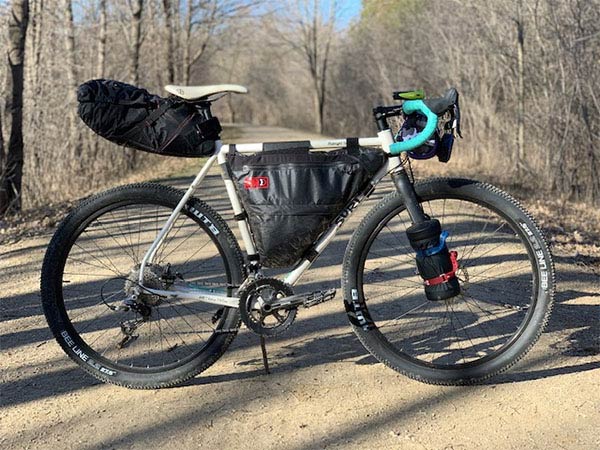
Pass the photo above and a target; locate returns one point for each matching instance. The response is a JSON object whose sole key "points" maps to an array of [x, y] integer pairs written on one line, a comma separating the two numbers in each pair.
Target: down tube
{"points": [[292, 277]]}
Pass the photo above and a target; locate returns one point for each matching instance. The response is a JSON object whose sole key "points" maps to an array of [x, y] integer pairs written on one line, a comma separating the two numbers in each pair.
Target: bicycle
{"points": [[145, 286]]}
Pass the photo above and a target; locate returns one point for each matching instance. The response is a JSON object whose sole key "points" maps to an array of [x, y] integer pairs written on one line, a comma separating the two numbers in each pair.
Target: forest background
{"points": [[527, 71]]}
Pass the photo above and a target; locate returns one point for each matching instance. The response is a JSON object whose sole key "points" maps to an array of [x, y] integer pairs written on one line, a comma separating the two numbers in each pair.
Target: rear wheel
{"points": [[92, 268], [505, 273]]}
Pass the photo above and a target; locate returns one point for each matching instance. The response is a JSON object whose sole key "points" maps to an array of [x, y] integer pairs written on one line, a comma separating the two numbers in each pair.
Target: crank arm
{"points": [[306, 300]]}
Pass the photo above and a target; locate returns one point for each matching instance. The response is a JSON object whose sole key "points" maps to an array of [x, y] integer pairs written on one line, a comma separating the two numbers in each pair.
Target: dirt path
{"points": [[325, 391]]}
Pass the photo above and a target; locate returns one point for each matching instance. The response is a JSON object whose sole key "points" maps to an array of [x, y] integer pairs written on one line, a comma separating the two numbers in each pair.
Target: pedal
{"points": [[306, 300], [318, 297]]}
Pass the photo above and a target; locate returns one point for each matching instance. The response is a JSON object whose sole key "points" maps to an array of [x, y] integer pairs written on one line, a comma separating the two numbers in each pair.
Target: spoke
{"points": [[404, 247], [187, 323], [195, 253], [457, 339], [109, 235], [139, 236], [173, 348], [160, 256], [404, 314], [437, 335], [492, 290], [210, 326], [160, 333], [496, 276], [101, 266], [91, 321], [471, 263], [478, 319], [477, 302], [462, 327], [118, 334], [417, 326], [171, 326], [472, 249], [493, 318], [387, 256], [128, 243]]}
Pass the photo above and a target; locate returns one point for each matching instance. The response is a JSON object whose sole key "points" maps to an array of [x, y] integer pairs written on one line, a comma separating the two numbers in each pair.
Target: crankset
{"points": [[255, 307], [268, 306]]}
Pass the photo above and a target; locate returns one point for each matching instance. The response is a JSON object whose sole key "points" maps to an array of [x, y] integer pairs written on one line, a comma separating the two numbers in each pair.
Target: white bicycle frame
{"points": [[383, 140]]}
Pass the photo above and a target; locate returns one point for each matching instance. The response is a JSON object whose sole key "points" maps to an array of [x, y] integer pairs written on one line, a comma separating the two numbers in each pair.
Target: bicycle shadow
{"points": [[307, 351], [578, 322]]}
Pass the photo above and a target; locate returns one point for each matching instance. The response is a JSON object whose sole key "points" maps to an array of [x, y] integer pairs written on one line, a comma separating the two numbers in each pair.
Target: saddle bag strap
{"points": [[158, 112], [152, 117], [352, 144]]}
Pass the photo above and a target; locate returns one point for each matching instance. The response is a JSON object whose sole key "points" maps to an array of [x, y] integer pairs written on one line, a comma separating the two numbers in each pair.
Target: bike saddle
{"points": [[440, 105], [200, 92]]}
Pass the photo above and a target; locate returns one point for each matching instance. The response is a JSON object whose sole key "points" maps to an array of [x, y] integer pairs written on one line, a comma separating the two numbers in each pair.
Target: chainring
{"points": [[254, 305]]}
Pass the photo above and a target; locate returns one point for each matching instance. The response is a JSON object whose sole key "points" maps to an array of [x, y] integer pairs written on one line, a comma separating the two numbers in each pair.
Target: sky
{"points": [[350, 11]]}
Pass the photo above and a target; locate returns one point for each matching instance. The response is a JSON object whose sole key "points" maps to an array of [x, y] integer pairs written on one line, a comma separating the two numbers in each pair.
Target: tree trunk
{"points": [[137, 7], [33, 81], [102, 41], [11, 182], [521, 90], [74, 134], [168, 11], [1, 147], [187, 37], [318, 112]]}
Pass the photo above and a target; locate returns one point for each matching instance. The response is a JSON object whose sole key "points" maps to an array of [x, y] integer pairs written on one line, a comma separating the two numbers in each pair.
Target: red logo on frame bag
{"points": [[256, 182]]}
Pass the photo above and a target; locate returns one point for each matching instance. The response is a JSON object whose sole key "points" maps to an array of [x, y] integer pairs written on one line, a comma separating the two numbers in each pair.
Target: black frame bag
{"points": [[292, 195], [131, 116]]}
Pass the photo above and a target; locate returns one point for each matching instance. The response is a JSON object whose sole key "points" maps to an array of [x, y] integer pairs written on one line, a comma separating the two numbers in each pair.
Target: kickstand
{"points": [[263, 348]]}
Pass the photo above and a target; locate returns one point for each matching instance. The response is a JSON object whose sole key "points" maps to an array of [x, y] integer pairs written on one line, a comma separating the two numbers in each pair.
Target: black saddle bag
{"points": [[292, 195], [131, 116]]}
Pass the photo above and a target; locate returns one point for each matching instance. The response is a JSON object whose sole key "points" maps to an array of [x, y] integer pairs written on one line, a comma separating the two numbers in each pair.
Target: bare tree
{"points": [[526, 70], [71, 70], [35, 46], [308, 32], [520, 160], [137, 7], [170, 47], [1, 147], [102, 41], [11, 182], [200, 19], [204, 23]]}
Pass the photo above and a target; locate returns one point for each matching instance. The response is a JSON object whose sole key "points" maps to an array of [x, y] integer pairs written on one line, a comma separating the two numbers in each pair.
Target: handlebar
{"points": [[409, 107]]}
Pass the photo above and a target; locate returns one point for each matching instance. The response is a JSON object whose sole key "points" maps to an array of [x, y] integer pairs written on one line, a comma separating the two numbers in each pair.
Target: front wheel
{"points": [[505, 272], [91, 271]]}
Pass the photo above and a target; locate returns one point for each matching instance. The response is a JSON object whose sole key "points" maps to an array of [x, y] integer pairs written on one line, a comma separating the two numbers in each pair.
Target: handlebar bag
{"points": [[292, 195], [131, 116]]}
